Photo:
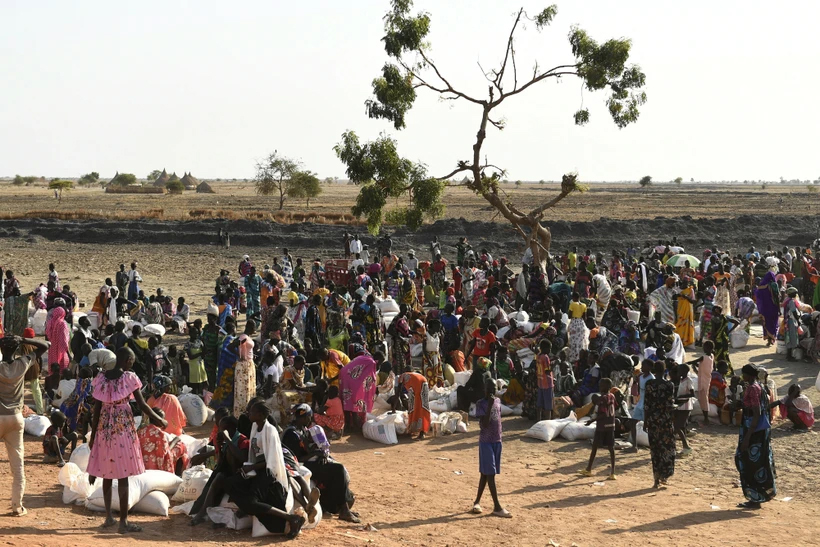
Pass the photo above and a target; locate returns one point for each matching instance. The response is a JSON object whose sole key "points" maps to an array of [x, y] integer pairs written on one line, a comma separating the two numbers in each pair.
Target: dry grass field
{"points": [[237, 200]]}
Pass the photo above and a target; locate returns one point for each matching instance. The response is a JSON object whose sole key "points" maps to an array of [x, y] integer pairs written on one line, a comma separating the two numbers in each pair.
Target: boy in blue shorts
{"points": [[488, 410]]}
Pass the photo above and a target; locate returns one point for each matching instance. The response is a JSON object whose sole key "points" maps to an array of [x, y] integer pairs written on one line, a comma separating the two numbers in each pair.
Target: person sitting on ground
{"points": [[565, 379], [604, 427], [797, 408], [52, 382], [329, 475], [157, 451], [330, 415], [58, 436], [169, 404], [261, 489]]}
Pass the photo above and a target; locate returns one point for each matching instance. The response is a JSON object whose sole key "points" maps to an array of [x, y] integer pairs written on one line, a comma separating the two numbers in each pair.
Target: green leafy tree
{"points": [[645, 181], [175, 186], [124, 179], [20, 181], [382, 174], [304, 185], [411, 69], [60, 186], [153, 175], [678, 180], [273, 174], [89, 179]]}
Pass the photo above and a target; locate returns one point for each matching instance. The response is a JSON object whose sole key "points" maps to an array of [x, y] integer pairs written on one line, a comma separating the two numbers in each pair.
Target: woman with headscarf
{"points": [[310, 447], [754, 458], [767, 296], [357, 385], [57, 332], [659, 404], [719, 334], [417, 390], [169, 404], [153, 314], [158, 452], [253, 288], [791, 320]]}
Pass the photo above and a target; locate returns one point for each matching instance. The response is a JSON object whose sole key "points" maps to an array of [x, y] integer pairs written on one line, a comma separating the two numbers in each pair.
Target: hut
{"points": [[204, 188], [190, 181], [162, 179]]}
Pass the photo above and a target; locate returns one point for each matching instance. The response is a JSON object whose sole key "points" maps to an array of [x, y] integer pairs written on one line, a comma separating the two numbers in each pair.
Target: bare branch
{"points": [[449, 88], [539, 211], [549, 74], [462, 166], [497, 125], [500, 75]]}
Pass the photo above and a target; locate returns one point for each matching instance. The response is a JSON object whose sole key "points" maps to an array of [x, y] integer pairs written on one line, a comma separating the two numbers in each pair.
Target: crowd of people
{"points": [[319, 342]]}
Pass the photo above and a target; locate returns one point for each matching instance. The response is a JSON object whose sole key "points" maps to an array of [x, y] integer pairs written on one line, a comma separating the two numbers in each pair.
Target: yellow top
{"points": [[577, 310]]}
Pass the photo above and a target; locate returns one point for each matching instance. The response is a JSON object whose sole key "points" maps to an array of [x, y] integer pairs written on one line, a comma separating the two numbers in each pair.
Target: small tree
{"points": [[89, 179], [812, 189], [645, 181], [60, 185], [19, 181], [411, 68], [175, 186], [153, 175], [679, 180], [305, 185], [518, 184], [124, 179], [273, 174]]}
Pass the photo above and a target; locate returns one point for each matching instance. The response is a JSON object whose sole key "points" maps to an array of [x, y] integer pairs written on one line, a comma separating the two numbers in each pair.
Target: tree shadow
{"points": [[687, 520]]}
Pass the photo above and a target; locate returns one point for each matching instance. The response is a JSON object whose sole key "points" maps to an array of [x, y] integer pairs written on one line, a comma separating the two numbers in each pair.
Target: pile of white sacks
{"points": [[154, 491]]}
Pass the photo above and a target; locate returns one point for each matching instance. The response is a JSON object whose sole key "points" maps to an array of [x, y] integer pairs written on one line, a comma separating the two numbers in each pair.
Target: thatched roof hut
{"points": [[190, 181], [110, 182], [162, 179], [204, 188]]}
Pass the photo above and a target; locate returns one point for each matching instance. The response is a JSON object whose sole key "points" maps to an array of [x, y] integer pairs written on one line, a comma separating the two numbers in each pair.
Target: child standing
{"points": [[197, 375], [543, 369], [604, 427], [488, 410], [704, 367]]}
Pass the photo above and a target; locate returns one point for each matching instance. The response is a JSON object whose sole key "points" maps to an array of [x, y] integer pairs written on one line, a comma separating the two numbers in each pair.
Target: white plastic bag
{"points": [[223, 515], [194, 408], [192, 445], [739, 337], [382, 430], [80, 457], [642, 435], [38, 322], [36, 425], [192, 483], [506, 411], [462, 377], [155, 329], [138, 487], [547, 430], [388, 305], [154, 503], [578, 432], [184, 509], [75, 483]]}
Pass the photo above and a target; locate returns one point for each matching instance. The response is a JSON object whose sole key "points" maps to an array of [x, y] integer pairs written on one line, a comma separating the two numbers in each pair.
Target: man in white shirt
{"points": [[12, 378], [355, 245], [358, 261], [412, 261], [365, 255]]}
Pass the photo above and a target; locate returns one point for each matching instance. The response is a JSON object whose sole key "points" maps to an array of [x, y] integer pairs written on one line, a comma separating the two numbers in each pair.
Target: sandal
{"points": [[585, 473], [130, 527], [476, 510], [503, 513]]}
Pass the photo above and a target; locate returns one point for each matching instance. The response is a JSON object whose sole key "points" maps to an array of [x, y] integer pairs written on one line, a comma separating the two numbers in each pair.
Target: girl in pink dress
{"points": [[115, 448]]}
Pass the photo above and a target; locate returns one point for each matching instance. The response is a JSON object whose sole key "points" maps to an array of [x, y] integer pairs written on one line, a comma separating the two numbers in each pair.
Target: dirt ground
{"points": [[411, 495]]}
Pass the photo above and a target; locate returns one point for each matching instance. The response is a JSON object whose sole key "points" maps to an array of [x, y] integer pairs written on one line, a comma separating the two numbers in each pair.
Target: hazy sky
{"points": [[210, 87]]}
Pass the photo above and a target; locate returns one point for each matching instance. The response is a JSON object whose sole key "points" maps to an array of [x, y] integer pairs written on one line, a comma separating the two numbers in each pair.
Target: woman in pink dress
{"points": [[57, 332], [357, 383], [115, 448]]}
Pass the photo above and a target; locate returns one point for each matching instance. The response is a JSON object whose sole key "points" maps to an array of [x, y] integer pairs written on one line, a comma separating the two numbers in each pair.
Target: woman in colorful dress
{"points": [[418, 402], [791, 320], [722, 282], [57, 332], [157, 451], [168, 403], [253, 289], [767, 296], [223, 395], [685, 313], [706, 313], [15, 307], [80, 400], [115, 449], [431, 358], [210, 348], [373, 324], [754, 458], [578, 332], [719, 335], [400, 332], [244, 381], [357, 385], [659, 424]]}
